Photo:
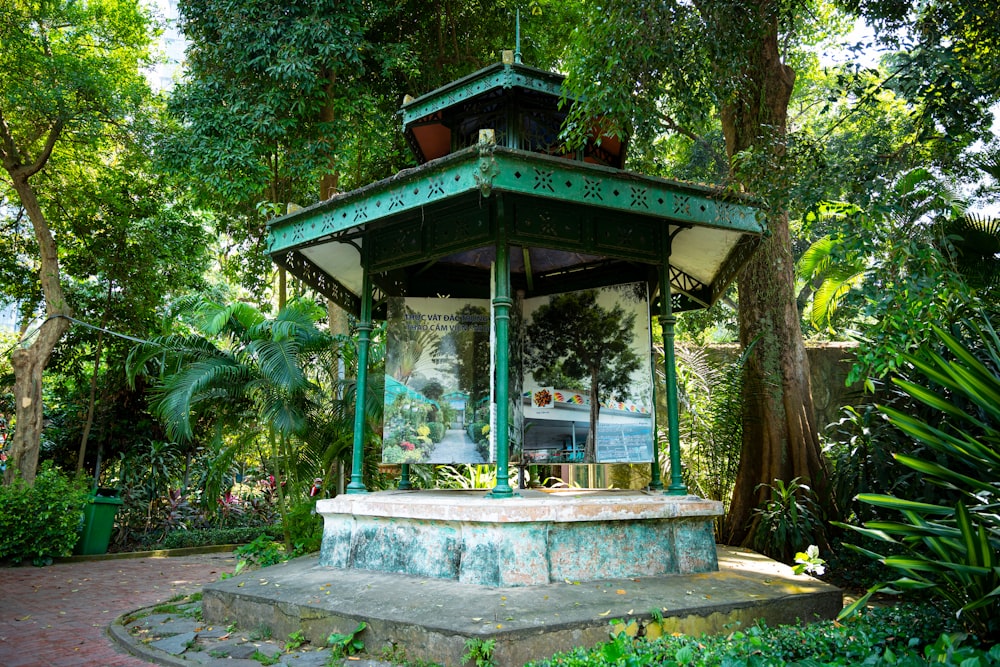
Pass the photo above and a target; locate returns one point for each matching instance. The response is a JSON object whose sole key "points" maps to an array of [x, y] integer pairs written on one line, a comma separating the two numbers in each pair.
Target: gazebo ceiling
{"points": [[432, 230]]}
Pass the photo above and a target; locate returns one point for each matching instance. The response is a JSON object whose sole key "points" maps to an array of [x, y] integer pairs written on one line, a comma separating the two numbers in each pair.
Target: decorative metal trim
{"points": [[733, 264], [506, 170], [477, 83], [691, 287]]}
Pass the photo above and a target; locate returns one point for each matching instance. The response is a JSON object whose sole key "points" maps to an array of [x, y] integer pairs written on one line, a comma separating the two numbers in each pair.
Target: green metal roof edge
{"points": [[498, 75], [518, 172]]}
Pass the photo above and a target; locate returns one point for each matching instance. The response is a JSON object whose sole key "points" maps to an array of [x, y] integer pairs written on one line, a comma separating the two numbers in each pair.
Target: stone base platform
{"points": [[431, 619], [537, 538]]}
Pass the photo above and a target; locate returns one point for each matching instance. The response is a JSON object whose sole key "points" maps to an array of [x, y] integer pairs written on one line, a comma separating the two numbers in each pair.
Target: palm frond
{"points": [[837, 284]]}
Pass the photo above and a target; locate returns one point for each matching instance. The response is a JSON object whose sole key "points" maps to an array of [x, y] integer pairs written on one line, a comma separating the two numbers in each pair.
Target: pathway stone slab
{"points": [[176, 644]]}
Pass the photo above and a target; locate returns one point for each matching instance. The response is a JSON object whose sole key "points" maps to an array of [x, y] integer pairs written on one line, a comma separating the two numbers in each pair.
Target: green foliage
{"points": [[942, 61], [437, 431], [465, 476], [295, 640], [479, 651], [917, 635], [262, 552], [951, 550], [789, 521], [42, 521], [710, 419], [305, 526], [265, 659], [349, 643], [809, 562], [253, 380], [180, 539], [860, 453], [887, 267]]}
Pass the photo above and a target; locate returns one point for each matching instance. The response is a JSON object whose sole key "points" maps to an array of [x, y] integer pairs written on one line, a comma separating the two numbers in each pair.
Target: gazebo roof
{"points": [[494, 170]]}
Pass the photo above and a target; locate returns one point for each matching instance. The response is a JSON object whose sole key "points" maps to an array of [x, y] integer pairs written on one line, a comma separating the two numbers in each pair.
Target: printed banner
{"points": [[587, 393], [437, 383]]}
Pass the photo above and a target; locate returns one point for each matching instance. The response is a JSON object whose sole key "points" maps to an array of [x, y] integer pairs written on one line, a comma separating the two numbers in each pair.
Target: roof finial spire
{"points": [[517, 36]]}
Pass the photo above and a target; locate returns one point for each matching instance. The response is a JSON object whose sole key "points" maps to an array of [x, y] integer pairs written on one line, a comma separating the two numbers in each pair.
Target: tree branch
{"points": [[24, 172], [672, 124]]}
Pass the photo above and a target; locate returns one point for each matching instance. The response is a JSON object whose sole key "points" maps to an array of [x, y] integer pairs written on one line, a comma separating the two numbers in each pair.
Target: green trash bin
{"points": [[98, 522]]}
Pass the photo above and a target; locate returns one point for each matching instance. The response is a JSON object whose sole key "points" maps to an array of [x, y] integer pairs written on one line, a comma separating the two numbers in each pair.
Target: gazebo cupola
{"points": [[522, 105], [499, 208]]}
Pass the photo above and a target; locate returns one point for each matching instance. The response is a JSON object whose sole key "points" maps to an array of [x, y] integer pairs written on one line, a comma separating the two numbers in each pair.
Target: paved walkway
{"points": [[456, 447], [58, 616]]}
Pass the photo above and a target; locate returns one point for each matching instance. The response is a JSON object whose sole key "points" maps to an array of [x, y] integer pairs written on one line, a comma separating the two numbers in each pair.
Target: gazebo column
{"points": [[667, 322], [357, 484], [655, 479], [502, 303], [404, 477]]}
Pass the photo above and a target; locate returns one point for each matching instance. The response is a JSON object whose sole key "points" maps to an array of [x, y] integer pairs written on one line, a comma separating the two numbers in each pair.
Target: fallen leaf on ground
{"points": [[605, 613], [620, 591]]}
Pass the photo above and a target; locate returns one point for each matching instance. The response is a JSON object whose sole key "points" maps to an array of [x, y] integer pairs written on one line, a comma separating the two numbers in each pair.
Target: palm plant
{"points": [[950, 550], [240, 365]]}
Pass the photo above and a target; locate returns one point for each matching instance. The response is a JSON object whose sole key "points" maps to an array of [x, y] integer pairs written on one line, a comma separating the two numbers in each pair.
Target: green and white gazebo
{"points": [[499, 207]]}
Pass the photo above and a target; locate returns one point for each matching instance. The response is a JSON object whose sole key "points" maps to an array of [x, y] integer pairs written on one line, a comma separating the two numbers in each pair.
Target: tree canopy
{"points": [[70, 81]]}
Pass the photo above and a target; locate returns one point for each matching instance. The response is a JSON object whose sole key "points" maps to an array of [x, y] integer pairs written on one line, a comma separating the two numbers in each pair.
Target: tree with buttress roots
{"points": [[687, 68]]}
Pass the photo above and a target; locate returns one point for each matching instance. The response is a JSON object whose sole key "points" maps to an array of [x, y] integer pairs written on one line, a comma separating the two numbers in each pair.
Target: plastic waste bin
{"points": [[98, 522]]}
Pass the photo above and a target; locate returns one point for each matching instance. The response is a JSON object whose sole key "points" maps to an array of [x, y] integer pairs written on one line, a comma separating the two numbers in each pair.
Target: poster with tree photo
{"points": [[587, 393]]}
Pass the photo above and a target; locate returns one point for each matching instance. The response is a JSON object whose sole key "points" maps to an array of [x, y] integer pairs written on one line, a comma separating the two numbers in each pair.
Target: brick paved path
{"points": [[57, 616]]}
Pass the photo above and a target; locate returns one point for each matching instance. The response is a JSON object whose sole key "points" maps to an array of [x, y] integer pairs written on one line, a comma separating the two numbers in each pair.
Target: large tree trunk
{"points": [[779, 433], [590, 448], [29, 362]]}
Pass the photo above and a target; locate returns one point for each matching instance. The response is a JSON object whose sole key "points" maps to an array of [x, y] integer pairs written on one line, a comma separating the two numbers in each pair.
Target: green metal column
{"points": [[357, 484], [655, 481], [404, 477], [502, 303], [667, 321]]}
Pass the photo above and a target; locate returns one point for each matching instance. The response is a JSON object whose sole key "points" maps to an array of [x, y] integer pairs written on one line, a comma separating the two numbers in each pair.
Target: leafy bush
{"points": [[711, 429], [914, 635], [950, 550], [41, 522], [437, 431], [788, 522], [180, 539], [262, 552], [305, 526]]}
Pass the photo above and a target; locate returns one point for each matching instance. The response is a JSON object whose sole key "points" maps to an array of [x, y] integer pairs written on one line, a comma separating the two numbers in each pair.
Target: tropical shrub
{"points": [[252, 379], [437, 431], [305, 526], [711, 430], [913, 635], [950, 550], [788, 522], [181, 539], [42, 521]]}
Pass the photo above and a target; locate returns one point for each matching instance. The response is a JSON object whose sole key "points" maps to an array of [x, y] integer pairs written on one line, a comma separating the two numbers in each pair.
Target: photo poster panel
{"points": [[437, 381], [576, 345]]}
